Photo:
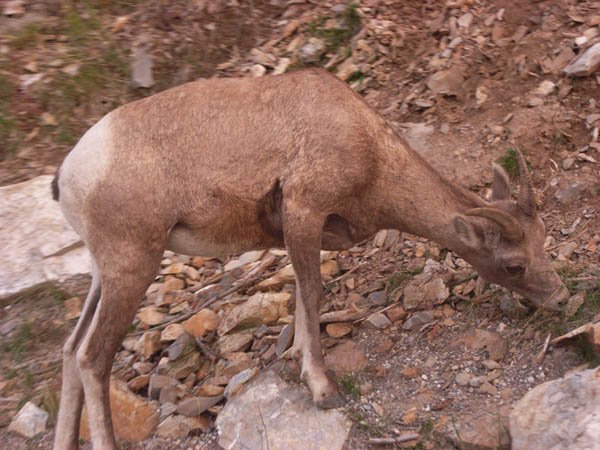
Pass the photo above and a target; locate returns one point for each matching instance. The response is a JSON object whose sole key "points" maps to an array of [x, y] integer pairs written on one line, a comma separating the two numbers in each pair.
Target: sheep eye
{"points": [[515, 269]]}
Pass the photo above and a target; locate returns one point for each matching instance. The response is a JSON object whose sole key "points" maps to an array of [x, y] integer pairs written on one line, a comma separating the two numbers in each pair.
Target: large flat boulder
{"points": [[563, 413], [38, 245], [269, 413]]}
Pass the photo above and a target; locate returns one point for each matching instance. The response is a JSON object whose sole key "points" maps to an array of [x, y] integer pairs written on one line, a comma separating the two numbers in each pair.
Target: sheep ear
{"points": [[501, 184], [466, 232]]}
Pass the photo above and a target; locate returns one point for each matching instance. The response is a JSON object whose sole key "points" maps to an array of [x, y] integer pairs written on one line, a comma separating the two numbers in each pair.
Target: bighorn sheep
{"points": [[228, 165]]}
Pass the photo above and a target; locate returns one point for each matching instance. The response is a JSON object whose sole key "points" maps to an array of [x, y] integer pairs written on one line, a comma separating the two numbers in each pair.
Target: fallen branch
{"points": [[394, 440]]}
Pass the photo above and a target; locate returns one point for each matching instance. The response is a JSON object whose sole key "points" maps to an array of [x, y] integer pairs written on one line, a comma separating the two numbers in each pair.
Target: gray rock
{"points": [[269, 413], [463, 378], [312, 51], [238, 380], [567, 193], [158, 382], [418, 319], [586, 63], [30, 421], [465, 20], [563, 413], [38, 245], [141, 68], [195, 406], [238, 342], [377, 321], [447, 82], [284, 341], [567, 163]]}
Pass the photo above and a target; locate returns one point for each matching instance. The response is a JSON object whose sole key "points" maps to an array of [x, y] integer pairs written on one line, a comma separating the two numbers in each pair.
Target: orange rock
{"points": [[339, 329], [201, 323], [134, 418]]}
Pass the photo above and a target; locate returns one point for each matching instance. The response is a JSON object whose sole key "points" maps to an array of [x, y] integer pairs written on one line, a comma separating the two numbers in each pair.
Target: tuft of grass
{"points": [[510, 162], [27, 37], [337, 38], [349, 385], [567, 273], [20, 343]]}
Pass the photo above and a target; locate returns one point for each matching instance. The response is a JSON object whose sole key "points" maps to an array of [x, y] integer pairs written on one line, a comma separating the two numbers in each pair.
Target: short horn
{"points": [[526, 198], [511, 229]]}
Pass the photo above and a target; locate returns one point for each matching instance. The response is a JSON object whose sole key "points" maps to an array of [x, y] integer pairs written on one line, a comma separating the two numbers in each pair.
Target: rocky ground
{"points": [[428, 355]]}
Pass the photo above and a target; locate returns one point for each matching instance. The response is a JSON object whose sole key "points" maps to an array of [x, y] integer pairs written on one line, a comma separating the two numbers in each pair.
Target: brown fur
{"points": [[298, 160]]}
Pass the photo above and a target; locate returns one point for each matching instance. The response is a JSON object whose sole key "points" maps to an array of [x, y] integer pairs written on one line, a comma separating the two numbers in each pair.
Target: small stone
{"points": [[158, 382], [463, 378], [465, 20], [150, 316], [182, 345], [378, 409], [545, 88], [585, 64], [346, 69], [171, 284], [261, 308], [277, 281], [410, 372], [134, 418], [168, 394], [338, 329], [488, 388], [149, 344], [346, 358], [48, 120], [418, 319], [73, 306], [138, 383], [535, 101], [568, 163], [574, 304], [238, 380], [282, 66], [377, 321], [233, 365], [30, 421], [490, 364], [181, 426], [567, 249], [497, 130], [257, 70], [244, 259], [366, 388], [238, 342], [396, 313], [194, 406], [284, 341], [141, 68], [201, 323], [198, 262], [184, 366], [209, 390], [330, 268], [312, 51], [14, 8], [171, 332], [447, 82]]}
